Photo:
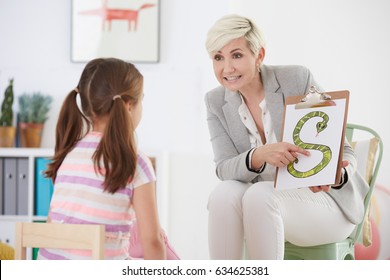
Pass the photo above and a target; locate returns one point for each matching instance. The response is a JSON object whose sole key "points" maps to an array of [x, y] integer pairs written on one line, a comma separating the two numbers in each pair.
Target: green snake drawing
{"points": [[325, 150]]}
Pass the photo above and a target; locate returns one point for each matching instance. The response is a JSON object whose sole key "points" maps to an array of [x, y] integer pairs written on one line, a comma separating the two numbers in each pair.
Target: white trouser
{"points": [[266, 218]]}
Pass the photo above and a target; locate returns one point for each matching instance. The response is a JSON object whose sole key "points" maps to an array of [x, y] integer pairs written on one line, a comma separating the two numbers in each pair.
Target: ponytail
{"points": [[117, 149], [69, 130]]}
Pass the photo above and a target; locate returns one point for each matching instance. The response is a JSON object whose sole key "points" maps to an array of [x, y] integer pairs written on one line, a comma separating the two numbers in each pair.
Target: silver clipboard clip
{"points": [[315, 98]]}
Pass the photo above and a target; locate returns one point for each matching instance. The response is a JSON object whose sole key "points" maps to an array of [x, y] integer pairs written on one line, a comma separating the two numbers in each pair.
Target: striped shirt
{"points": [[79, 198]]}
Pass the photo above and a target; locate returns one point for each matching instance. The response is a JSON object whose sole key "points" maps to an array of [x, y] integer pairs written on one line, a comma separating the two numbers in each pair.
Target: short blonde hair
{"points": [[232, 27]]}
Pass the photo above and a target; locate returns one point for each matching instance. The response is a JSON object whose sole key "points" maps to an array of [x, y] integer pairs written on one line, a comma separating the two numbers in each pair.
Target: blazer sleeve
{"points": [[230, 164], [351, 196]]}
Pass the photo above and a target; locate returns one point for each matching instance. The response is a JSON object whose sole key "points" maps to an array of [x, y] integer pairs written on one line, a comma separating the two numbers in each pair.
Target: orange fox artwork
{"points": [[125, 29], [109, 14]]}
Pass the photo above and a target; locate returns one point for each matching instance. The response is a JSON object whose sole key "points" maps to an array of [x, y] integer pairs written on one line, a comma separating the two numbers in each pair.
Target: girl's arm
{"points": [[145, 206]]}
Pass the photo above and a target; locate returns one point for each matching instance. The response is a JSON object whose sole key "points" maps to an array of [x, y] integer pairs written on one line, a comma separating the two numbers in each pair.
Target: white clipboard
{"points": [[316, 122]]}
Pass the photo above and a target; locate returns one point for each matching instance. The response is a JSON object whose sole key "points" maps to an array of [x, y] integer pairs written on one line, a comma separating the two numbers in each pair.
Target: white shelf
{"points": [[7, 222], [26, 152]]}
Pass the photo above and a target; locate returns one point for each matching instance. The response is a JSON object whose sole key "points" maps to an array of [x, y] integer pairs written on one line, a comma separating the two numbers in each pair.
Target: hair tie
{"points": [[116, 96], [76, 90]]}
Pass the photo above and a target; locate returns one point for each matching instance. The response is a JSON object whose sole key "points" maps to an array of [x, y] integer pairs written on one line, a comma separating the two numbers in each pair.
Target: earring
{"points": [[258, 68]]}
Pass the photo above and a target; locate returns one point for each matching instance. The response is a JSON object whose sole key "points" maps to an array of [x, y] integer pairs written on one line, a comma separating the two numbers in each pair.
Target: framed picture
{"points": [[125, 29]]}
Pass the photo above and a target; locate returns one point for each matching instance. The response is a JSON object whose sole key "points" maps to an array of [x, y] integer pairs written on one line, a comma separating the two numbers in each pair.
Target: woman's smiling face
{"points": [[235, 66]]}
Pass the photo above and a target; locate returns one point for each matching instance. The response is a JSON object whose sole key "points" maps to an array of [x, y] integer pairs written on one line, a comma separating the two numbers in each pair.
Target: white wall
{"points": [[344, 43]]}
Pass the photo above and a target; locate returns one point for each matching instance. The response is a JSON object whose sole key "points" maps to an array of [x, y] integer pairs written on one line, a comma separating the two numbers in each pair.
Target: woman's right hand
{"points": [[278, 154]]}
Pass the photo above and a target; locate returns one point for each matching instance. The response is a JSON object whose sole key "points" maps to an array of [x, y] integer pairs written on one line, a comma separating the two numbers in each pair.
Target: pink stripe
{"points": [[80, 167], [97, 183], [88, 253], [77, 167], [85, 144], [114, 253], [144, 166], [84, 253], [94, 212]]}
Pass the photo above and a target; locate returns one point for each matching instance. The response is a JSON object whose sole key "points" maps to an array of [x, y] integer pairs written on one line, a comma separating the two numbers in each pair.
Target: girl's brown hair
{"points": [[100, 81]]}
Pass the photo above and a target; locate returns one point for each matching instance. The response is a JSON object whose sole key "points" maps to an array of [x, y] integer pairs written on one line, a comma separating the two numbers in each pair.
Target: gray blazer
{"points": [[230, 139]]}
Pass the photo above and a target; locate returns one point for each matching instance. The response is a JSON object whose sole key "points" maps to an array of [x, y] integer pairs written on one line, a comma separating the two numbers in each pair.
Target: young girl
{"points": [[99, 175]]}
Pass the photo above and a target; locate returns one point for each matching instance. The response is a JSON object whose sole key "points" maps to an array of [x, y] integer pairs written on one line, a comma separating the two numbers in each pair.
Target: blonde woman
{"points": [[244, 116]]}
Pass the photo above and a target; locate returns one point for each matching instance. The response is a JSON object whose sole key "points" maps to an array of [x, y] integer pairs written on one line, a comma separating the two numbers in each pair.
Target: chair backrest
{"points": [[369, 161], [59, 236]]}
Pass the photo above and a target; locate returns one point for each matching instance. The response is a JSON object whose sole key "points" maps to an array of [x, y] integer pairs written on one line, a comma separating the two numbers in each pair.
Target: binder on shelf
{"points": [[43, 188], [22, 186], [9, 194]]}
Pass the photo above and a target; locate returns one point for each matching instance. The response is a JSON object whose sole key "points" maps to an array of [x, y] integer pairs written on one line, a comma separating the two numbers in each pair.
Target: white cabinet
{"points": [[18, 188]]}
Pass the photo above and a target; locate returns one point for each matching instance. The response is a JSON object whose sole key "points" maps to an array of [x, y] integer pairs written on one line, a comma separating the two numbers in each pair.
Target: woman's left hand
{"points": [[320, 189], [326, 188]]}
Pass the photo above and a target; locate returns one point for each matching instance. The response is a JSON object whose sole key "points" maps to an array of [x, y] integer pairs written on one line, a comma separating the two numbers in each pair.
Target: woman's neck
{"points": [[253, 96], [254, 93]]}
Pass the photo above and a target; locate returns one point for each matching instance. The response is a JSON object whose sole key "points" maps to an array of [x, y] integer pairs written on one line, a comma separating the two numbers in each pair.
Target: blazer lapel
{"points": [[274, 98], [236, 128]]}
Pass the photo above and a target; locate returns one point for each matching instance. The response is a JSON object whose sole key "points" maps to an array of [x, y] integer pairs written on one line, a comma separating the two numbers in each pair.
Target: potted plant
{"points": [[33, 113], [7, 130]]}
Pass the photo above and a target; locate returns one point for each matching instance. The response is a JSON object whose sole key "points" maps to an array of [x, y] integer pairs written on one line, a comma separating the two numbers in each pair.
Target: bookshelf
{"points": [[18, 188]]}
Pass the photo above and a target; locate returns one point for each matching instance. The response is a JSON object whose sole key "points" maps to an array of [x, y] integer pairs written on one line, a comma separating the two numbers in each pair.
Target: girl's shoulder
{"points": [[145, 171], [143, 158]]}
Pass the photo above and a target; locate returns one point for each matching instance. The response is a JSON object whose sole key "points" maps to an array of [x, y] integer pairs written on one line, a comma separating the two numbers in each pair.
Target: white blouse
{"points": [[254, 136]]}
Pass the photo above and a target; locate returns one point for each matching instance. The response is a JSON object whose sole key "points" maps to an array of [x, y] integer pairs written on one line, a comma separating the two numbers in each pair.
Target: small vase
{"points": [[7, 136], [30, 134]]}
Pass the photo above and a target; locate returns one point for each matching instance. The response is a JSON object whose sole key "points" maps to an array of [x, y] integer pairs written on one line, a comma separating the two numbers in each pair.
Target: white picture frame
{"points": [[124, 29]]}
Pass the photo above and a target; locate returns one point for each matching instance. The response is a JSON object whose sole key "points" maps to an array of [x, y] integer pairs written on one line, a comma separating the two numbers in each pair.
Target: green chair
{"points": [[344, 250]]}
